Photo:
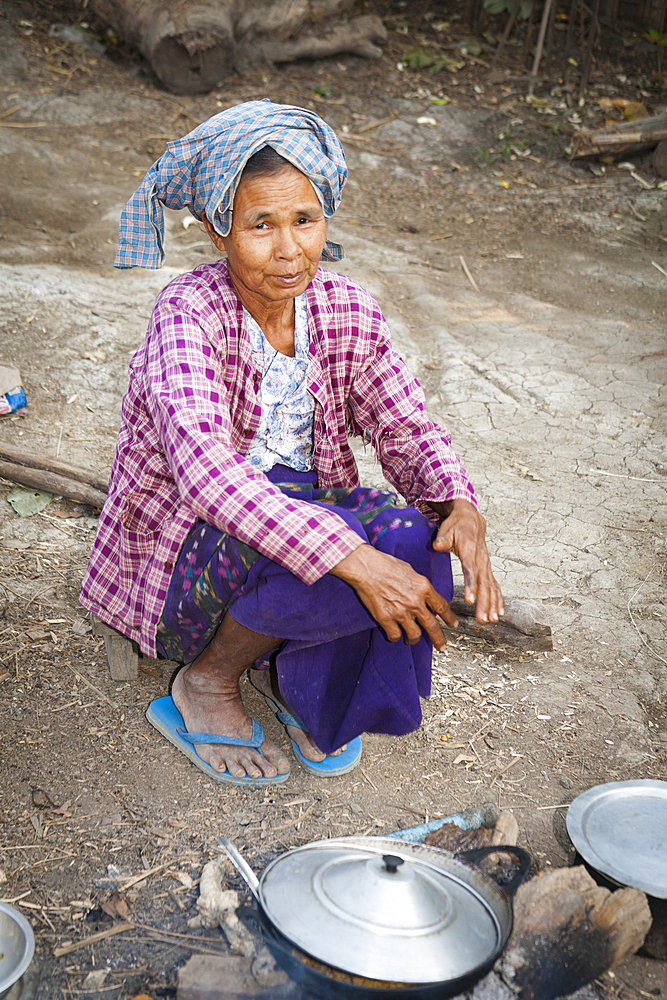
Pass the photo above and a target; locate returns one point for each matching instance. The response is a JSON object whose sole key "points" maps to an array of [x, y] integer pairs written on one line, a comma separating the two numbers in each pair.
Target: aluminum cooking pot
{"points": [[356, 914]]}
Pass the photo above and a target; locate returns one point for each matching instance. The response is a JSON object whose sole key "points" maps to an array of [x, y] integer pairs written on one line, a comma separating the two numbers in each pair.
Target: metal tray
{"points": [[620, 829]]}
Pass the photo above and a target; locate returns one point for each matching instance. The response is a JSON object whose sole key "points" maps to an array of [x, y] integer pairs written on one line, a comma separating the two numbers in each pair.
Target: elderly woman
{"points": [[236, 536]]}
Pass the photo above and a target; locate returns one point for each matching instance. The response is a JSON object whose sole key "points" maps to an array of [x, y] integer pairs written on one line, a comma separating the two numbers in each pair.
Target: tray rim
{"points": [[573, 821]]}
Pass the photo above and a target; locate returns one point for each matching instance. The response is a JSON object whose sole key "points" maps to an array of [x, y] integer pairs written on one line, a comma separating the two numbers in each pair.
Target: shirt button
{"points": [[247, 433], [169, 565]]}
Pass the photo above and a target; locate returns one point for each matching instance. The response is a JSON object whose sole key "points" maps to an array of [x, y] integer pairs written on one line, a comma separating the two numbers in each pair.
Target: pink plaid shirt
{"points": [[189, 416]]}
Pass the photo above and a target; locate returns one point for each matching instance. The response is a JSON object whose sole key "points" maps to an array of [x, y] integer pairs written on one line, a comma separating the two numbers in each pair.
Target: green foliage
{"points": [[469, 45], [444, 62], [421, 59], [484, 156], [417, 59], [659, 39], [498, 6], [323, 90]]}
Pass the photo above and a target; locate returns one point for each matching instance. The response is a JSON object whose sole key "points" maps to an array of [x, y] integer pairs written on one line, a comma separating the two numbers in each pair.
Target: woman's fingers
{"points": [[399, 599], [463, 532]]}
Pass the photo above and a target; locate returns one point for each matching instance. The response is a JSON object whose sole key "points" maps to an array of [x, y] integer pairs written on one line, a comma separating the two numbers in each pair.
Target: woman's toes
{"points": [[253, 771], [235, 768], [275, 758]]}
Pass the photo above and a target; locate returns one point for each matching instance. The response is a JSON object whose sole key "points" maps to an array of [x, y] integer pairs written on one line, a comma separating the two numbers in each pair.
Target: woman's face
{"points": [[277, 235]]}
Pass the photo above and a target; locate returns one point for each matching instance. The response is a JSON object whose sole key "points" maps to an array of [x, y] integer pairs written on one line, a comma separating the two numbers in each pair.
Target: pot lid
{"points": [[384, 910], [620, 828]]}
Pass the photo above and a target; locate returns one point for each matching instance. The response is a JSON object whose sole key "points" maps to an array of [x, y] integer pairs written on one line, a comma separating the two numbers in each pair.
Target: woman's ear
{"points": [[216, 238]]}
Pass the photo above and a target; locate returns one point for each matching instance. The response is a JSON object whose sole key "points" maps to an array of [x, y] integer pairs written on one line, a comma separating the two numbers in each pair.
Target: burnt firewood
{"points": [[568, 931], [518, 627]]}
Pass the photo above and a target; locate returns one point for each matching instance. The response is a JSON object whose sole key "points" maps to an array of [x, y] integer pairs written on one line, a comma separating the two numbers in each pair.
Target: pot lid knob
{"points": [[392, 863]]}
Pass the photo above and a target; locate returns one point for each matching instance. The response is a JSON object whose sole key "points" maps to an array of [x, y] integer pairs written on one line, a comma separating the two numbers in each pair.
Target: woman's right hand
{"points": [[399, 599]]}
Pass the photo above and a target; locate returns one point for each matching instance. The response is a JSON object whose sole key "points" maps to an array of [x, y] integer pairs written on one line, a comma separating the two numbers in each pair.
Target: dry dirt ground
{"points": [[550, 376]]}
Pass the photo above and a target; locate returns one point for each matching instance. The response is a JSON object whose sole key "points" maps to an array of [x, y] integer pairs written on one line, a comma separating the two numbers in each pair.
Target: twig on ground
{"points": [[132, 880], [646, 643], [93, 939], [514, 760], [375, 124], [635, 212], [369, 780], [39, 593], [297, 819], [616, 475], [93, 688], [468, 275]]}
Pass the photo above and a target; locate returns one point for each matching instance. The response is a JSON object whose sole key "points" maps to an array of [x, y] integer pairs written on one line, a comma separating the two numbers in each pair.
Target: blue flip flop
{"points": [[163, 714], [331, 766]]}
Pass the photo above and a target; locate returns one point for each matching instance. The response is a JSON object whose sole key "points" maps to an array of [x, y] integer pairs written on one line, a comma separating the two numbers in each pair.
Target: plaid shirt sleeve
{"points": [[386, 408], [186, 398]]}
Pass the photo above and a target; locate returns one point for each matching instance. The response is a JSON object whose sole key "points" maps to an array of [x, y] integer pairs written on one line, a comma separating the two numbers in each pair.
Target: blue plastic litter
{"points": [[469, 819]]}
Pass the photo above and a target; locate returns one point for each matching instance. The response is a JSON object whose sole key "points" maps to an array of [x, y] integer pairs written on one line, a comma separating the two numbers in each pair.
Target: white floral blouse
{"points": [[285, 433]]}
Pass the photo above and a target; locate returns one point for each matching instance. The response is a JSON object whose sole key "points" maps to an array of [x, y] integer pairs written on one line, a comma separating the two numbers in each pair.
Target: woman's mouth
{"points": [[288, 279]]}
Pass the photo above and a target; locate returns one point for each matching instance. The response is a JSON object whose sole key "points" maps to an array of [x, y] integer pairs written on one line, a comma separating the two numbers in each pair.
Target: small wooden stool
{"points": [[122, 653]]}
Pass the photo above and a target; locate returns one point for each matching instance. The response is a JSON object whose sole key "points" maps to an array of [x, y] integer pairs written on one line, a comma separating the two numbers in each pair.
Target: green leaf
{"points": [[438, 100], [417, 59], [470, 46], [28, 502], [323, 90], [495, 6], [444, 62]]}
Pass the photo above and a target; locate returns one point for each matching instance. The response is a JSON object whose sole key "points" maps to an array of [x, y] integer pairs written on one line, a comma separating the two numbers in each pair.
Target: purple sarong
{"points": [[336, 669]]}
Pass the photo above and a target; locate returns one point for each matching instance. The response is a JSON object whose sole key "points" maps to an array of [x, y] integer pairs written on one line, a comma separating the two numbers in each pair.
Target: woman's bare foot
{"points": [[220, 712], [266, 681]]}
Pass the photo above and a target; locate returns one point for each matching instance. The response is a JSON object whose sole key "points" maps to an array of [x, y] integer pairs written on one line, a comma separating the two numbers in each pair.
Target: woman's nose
{"points": [[287, 246]]}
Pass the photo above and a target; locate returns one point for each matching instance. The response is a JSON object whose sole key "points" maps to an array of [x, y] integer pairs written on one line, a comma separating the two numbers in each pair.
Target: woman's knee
{"points": [[400, 532], [350, 520]]}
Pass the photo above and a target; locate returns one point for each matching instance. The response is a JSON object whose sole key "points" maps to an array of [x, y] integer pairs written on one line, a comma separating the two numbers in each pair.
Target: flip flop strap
{"points": [[255, 740], [290, 720]]}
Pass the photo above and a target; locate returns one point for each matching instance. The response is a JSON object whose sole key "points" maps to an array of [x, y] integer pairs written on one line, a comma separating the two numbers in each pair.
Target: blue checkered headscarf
{"points": [[202, 170]]}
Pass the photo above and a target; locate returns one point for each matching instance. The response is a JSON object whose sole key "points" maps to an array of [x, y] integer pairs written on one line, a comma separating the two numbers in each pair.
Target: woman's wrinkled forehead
{"points": [[222, 218]]}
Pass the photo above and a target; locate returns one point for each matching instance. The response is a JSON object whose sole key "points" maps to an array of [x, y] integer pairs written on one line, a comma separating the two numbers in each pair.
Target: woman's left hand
{"points": [[463, 532]]}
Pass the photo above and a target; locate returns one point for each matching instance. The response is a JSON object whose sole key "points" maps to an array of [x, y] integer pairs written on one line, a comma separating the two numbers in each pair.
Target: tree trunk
{"points": [[192, 45]]}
